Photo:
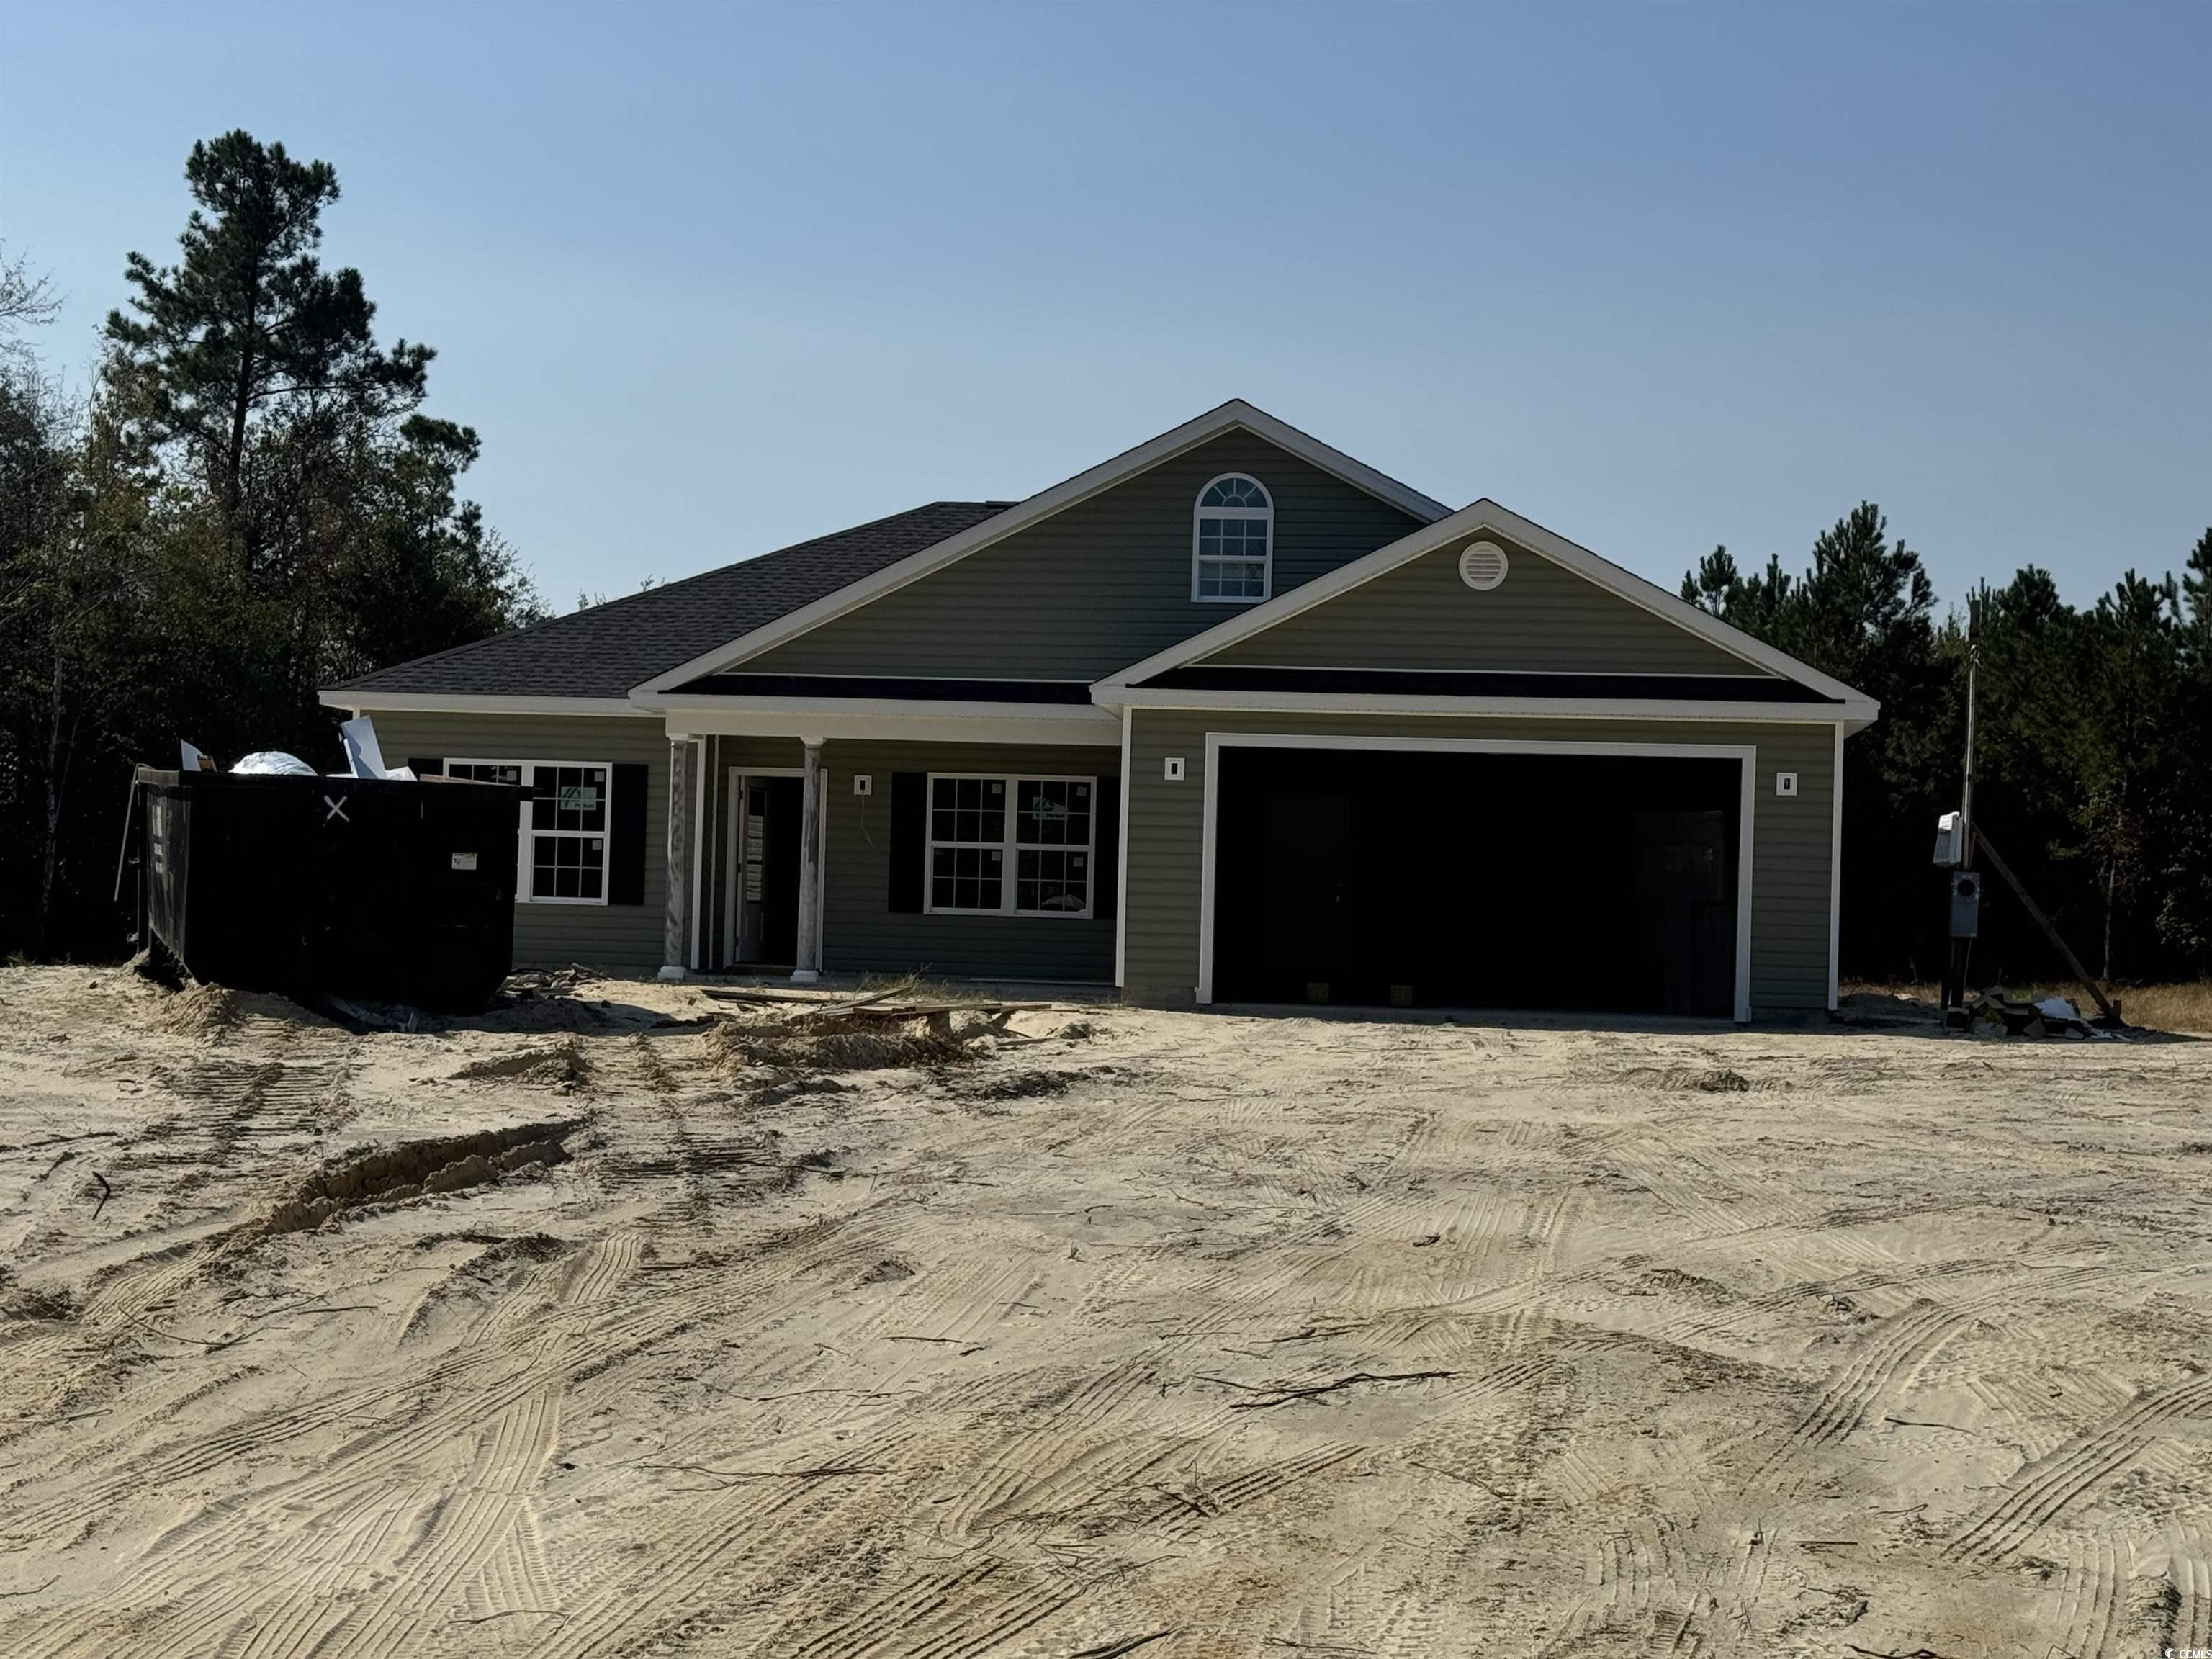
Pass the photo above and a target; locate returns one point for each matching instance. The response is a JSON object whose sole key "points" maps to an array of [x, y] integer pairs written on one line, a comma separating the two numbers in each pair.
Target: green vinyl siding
{"points": [[614, 936], [1791, 843], [1542, 618], [1097, 587], [862, 935]]}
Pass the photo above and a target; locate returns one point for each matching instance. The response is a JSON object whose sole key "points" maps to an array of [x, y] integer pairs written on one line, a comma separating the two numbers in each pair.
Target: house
{"points": [[1229, 717]]}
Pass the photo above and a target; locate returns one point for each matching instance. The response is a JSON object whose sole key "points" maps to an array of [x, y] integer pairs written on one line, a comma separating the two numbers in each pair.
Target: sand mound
{"points": [[205, 1010], [561, 1067], [415, 1169]]}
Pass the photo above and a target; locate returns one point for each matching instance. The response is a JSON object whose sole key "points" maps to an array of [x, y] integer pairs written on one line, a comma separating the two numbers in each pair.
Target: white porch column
{"points": [[809, 966], [679, 866]]}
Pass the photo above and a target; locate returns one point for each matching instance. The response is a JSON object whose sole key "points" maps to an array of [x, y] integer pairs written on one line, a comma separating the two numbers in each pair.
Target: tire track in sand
{"points": [[455, 1531], [2040, 1493]]}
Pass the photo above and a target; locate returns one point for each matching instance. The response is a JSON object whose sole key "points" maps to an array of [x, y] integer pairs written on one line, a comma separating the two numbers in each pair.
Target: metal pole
{"points": [[1973, 662], [1962, 951]]}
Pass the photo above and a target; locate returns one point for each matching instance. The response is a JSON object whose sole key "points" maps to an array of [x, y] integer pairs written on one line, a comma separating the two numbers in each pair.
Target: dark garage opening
{"points": [[1392, 877]]}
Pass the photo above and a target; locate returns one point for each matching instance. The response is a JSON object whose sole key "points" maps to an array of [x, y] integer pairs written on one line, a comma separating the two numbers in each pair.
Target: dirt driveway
{"points": [[1133, 1333]]}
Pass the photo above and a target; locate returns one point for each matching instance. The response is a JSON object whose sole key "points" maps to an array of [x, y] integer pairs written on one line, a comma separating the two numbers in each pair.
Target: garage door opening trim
{"points": [[1745, 755]]}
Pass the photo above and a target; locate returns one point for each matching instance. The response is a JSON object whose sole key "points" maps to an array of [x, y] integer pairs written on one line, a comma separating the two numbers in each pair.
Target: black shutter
{"points": [[626, 826], [1106, 859], [426, 768], [909, 840]]}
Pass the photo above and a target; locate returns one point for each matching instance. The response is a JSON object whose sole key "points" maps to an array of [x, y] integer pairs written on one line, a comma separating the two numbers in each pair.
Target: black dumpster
{"points": [[373, 888]]}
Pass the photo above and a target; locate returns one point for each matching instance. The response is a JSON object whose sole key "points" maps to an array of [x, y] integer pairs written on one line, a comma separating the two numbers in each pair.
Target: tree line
{"points": [[249, 504], [2092, 743]]}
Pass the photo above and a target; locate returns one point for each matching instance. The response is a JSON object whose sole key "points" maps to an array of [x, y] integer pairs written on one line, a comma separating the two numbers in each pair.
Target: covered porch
{"points": [[819, 827]]}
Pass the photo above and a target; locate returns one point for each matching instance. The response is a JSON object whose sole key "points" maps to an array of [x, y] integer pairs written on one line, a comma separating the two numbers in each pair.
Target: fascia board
{"points": [[457, 703], [1860, 710], [883, 707]]}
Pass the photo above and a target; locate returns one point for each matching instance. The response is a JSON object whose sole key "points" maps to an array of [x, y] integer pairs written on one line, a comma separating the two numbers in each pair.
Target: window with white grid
{"points": [[1233, 541], [1000, 844], [561, 855]]}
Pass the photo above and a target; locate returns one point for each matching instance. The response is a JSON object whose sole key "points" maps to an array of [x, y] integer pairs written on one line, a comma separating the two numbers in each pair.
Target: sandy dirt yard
{"points": [[602, 1325]]}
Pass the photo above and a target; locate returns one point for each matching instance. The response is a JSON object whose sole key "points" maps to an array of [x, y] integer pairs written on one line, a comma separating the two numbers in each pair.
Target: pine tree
{"points": [[248, 338]]}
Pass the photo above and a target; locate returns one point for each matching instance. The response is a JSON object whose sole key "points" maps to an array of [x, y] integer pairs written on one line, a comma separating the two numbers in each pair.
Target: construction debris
{"points": [[1997, 1011], [854, 1037]]}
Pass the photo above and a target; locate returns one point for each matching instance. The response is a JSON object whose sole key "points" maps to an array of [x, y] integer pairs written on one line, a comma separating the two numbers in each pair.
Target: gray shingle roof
{"points": [[604, 651]]}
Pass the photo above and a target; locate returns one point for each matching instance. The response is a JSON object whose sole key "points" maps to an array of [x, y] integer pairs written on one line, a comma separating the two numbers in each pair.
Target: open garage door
{"points": [[1497, 880]]}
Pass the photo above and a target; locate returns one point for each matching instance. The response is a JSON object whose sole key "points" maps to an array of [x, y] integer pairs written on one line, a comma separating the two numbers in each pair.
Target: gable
{"points": [[602, 651], [1543, 618], [1099, 584]]}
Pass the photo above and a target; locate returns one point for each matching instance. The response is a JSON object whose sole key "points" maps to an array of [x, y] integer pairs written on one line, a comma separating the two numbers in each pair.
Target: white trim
{"points": [[1077, 725], [1199, 512], [455, 702], [1745, 755], [1488, 515], [1010, 845], [1122, 861], [1836, 870], [526, 828], [1520, 673], [930, 679], [1391, 702], [1746, 823], [1230, 416], [733, 783]]}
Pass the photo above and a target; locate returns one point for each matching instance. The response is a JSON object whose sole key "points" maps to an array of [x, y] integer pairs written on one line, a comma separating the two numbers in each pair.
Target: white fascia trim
{"points": [[455, 702], [1605, 709], [1230, 416], [816, 719], [1746, 757], [1487, 515]]}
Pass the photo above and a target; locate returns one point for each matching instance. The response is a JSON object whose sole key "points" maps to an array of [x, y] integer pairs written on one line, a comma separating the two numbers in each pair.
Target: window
{"points": [[561, 855], [967, 843], [1233, 541], [1011, 844]]}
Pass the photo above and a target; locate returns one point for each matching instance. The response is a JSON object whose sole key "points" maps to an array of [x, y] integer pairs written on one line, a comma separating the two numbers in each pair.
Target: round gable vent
{"points": [[1482, 567]]}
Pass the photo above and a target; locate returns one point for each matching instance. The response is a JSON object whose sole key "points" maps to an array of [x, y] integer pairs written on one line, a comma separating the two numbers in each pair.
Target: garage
{"points": [[1570, 879]]}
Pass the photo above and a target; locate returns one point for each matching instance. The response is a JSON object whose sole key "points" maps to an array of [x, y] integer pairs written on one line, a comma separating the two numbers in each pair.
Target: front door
{"points": [[763, 920]]}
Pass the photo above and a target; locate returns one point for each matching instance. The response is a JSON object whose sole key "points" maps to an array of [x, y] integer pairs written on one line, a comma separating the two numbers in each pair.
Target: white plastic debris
{"points": [[363, 754], [274, 762], [2058, 1008]]}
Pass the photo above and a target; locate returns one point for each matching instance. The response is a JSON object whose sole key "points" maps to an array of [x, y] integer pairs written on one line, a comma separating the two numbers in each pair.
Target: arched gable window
{"points": [[1232, 557]]}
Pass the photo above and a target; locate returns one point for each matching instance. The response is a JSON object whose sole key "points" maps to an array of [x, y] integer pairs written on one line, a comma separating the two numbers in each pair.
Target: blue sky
{"points": [[711, 279]]}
